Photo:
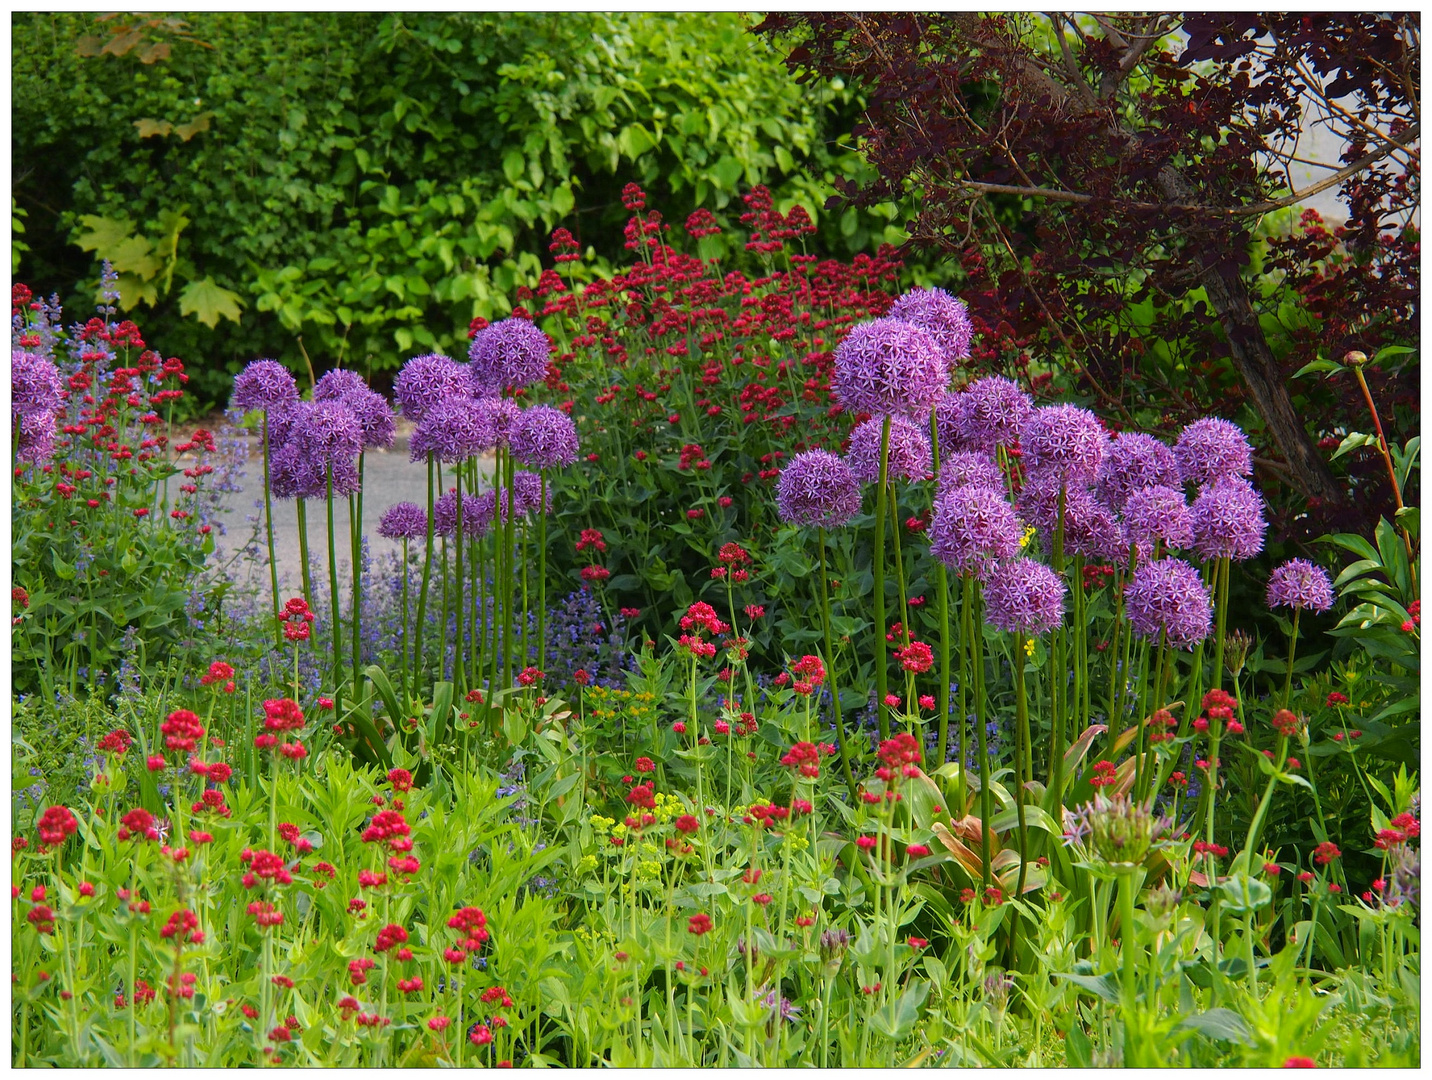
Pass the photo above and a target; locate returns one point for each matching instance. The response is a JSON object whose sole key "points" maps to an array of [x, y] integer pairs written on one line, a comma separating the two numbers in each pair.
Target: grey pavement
{"points": [[388, 478]]}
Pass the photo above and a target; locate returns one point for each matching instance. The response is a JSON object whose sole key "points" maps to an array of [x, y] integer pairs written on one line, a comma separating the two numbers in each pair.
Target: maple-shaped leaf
{"points": [[209, 302], [148, 126]]}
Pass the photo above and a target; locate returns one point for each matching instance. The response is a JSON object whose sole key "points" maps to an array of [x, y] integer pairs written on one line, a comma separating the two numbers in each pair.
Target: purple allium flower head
{"points": [[511, 352], [500, 418], [1025, 596], [948, 411], [1158, 513], [426, 380], [969, 467], [940, 315], [404, 521], [452, 430], [1167, 596], [1090, 527], [544, 438], [264, 384], [35, 384], [1064, 440], [327, 431], [375, 417], [296, 473], [36, 436], [889, 366], [993, 412], [1228, 521], [817, 488], [1134, 461], [337, 384], [1211, 449], [1299, 584], [907, 457], [526, 493], [476, 514], [971, 525]]}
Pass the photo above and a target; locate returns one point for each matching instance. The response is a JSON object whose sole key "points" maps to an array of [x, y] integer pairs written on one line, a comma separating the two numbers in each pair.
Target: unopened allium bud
{"points": [[1236, 648], [1122, 831]]}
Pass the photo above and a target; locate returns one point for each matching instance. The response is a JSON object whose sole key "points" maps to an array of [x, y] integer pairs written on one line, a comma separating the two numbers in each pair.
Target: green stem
{"points": [[355, 538], [268, 523], [305, 572], [877, 567], [977, 665], [830, 672], [542, 575], [333, 592], [1292, 652], [1021, 760], [459, 663]]}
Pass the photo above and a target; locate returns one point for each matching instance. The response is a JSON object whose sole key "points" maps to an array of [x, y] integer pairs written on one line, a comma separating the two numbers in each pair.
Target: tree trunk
{"points": [[1228, 296]]}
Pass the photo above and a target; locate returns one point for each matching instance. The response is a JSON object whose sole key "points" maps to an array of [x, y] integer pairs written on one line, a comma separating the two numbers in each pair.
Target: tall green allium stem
{"points": [[305, 571], [542, 574], [268, 525], [976, 640], [877, 567], [333, 591], [499, 571], [459, 541], [423, 589], [403, 663], [830, 670], [509, 533], [1021, 758], [1221, 577], [355, 543], [1059, 670], [1292, 653], [942, 583]]}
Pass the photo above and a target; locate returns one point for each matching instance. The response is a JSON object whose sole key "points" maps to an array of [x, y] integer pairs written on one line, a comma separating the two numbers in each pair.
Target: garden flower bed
{"points": [[767, 678]]}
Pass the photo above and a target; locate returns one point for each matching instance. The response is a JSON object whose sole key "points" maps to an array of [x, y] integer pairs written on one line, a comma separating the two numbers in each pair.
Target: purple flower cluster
{"points": [[371, 410], [266, 385], [947, 422], [545, 438], [1299, 584], [36, 392], [526, 494], [452, 430], [889, 366], [1211, 449], [1167, 597], [1228, 521], [426, 380], [908, 454], [1065, 441], [971, 525], [817, 488], [404, 521], [993, 412], [965, 467], [1132, 462], [314, 438], [476, 514], [1158, 513], [1024, 596], [511, 352], [942, 316], [1090, 527]]}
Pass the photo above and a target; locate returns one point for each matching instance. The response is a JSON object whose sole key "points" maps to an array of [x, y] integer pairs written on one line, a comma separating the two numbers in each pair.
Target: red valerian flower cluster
{"points": [[803, 757], [219, 672], [55, 825], [296, 619], [808, 673]]}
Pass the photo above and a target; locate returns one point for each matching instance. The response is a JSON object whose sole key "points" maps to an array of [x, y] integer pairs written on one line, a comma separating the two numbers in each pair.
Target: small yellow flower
{"points": [[619, 829], [1029, 532], [1029, 647]]}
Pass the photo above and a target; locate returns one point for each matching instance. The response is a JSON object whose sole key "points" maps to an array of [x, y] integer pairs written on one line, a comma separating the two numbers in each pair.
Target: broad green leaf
{"points": [[209, 302], [1224, 1024]]}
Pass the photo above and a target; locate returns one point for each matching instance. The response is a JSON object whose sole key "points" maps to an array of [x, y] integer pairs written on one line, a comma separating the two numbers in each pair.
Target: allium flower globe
{"points": [[35, 437], [35, 384], [947, 422], [264, 384], [511, 352], [1132, 462], [907, 455], [965, 467], [817, 488], [403, 521], [1299, 584], [501, 418], [545, 438], [337, 384], [527, 494], [1228, 521], [426, 380], [476, 514], [889, 366], [1158, 513], [1211, 449], [1090, 528], [1064, 441], [1024, 596], [452, 430], [972, 525], [942, 316], [1167, 597], [993, 412]]}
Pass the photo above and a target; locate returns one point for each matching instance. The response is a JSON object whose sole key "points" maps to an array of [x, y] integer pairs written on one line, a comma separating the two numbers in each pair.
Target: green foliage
{"points": [[370, 183]]}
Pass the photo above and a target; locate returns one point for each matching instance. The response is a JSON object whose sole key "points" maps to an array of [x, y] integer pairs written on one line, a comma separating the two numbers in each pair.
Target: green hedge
{"points": [[369, 182]]}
